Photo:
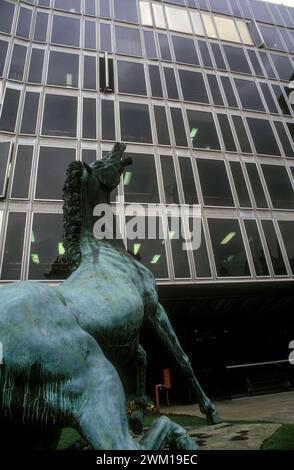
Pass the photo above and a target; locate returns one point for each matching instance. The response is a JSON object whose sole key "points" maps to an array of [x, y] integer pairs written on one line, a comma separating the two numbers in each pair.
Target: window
{"points": [[41, 26], [256, 186], [214, 182], [242, 134], [128, 41], [36, 66], [150, 47], [283, 67], [274, 248], [240, 184], [249, 94], [90, 35], [202, 130], [165, 53], [260, 11], [256, 248], [179, 127], [158, 14], [6, 17], [145, 13], [201, 257], [106, 78], [197, 23], [220, 6], [237, 59], [281, 100], [268, 98], [244, 32], [60, 115], [135, 123], [105, 37], [90, 7], [3, 52], [131, 78], [24, 23], [155, 81], [178, 19], [209, 25], [226, 133], [169, 180], [255, 63], [17, 62], [263, 136], [47, 253], [226, 29], [105, 8], [140, 181], [272, 38], [215, 90], [291, 129], [66, 31], [73, 6], [228, 248], [125, 10], [13, 248], [89, 156], [53, 163], [163, 137], [5, 151], [287, 231], [279, 186], [188, 181], [90, 73], [108, 122], [22, 172], [30, 113], [267, 65], [179, 255], [63, 69], [171, 84], [218, 56], [284, 139], [193, 86], [205, 54], [185, 51], [229, 92], [9, 110], [89, 118]]}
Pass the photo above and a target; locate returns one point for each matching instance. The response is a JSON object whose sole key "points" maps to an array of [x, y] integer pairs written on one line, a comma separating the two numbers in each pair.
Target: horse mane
{"points": [[72, 214]]}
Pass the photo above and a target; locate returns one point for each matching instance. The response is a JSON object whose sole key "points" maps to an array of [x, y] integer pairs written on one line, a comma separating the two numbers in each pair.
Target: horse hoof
{"points": [[136, 422], [213, 417]]}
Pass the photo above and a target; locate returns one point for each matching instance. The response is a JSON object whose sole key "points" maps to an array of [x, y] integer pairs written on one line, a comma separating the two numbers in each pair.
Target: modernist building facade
{"points": [[199, 90]]}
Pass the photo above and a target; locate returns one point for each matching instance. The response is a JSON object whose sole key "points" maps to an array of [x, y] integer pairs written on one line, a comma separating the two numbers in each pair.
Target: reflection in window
{"points": [[66, 31], [5, 148], [209, 26], [244, 32], [145, 13], [256, 248], [202, 130], [158, 14], [17, 62], [150, 252], [6, 17], [128, 41], [228, 248], [131, 78], [279, 186], [263, 136], [155, 81], [60, 116], [242, 134], [171, 84], [89, 118], [22, 172], [185, 51], [193, 86], [140, 181], [53, 162], [125, 10], [179, 255], [214, 182], [30, 113], [197, 23], [161, 125], [274, 247], [249, 94], [9, 110], [256, 185], [169, 180], [135, 123], [179, 127], [13, 248], [178, 19], [47, 252], [284, 139], [240, 184], [226, 29], [201, 259], [36, 66], [188, 181], [63, 69], [108, 122], [226, 133], [287, 231]]}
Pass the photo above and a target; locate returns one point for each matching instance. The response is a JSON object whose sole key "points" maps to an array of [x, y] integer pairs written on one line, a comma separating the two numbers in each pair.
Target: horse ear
{"points": [[87, 167]]}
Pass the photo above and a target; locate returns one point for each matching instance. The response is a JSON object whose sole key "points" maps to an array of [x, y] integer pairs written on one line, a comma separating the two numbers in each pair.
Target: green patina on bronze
{"points": [[59, 342]]}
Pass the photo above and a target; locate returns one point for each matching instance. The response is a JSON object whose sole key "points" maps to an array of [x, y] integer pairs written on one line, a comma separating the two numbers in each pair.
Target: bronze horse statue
{"points": [[57, 342]]}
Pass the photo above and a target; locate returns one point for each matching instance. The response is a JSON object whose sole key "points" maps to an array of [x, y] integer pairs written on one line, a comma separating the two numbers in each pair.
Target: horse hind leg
{"points": [[164, 433], [137, 417]]}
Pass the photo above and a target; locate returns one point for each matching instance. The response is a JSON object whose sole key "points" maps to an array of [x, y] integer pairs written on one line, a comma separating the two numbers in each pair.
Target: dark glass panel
{"points": [[242, 134], [267, 65], [220, 6], [218, 56], [214, 182], [6, 17], [256, 248], [215, 90], [73, 5], [205, 54], [185, 51], [155, 81], [4, 165], [281, 100], [41, 26], [9, 110], [188, 181], [256, 186], [169, 180], [268, 98], [90, 35], [36, 66], [46, 255], [245, 8], [201, 256], [279, 186], [131, 78], [150, 47], [63, 69], [30, 113], [287, 231], [179, 128], [228, 248], [237, 59], [128, 41], [90, 7], [249, 95], [24, 23], [235, 8], [260, 11], [274, 247], [106, 80], [125, 10], [135, 123], [227, 133], [255, 63], [240, 184], [90, 73], [105, 8], [105, 37], [60, 115], [140, 181], [284, 139], [22, 171], [108, 123], [272, 38], [89, 156], [13, 248], [171, 84], [193, 86], [263, 136], [202, 4], [53, 162], [44, 3], [229, 92], [284, 67], [3, 52], [163, 137], [179, 255], [164, 47], [202, 130], [17, 62], [66, 31], [89, 118]]}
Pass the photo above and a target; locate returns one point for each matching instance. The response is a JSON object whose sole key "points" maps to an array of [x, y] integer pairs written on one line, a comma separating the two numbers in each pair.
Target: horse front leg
{"points": [[163, 329], [137, 417]]}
